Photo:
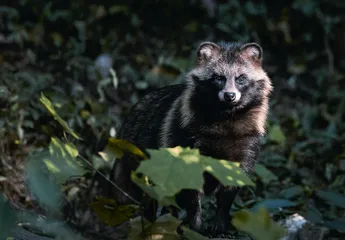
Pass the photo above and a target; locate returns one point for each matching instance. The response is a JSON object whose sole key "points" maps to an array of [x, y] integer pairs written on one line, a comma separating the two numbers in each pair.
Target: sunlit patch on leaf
{"points": [[109, 212], [62, 160], [258, 224], [49, 106], [228, 173], [115, 148]]}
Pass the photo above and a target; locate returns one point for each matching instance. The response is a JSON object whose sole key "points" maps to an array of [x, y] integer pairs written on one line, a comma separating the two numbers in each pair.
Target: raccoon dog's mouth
{"points": [[227, 106]]}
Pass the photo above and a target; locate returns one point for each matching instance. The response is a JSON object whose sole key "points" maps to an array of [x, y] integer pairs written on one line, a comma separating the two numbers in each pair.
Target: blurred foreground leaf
{"points": [[62, 160], [49, 106], [8, 218], [258, 224], [41, 183], [109, 212]]}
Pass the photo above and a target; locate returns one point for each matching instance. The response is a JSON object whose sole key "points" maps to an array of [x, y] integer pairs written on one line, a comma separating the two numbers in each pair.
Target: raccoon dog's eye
{"points": [[218, 78], [241, 79]]}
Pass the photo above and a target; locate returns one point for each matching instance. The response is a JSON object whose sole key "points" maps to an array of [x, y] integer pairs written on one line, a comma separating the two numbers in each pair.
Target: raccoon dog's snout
{"points": [[229, 96]]}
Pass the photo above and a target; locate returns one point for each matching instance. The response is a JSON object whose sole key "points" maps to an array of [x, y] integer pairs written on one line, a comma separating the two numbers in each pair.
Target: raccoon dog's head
{"points": [[230, 75]]}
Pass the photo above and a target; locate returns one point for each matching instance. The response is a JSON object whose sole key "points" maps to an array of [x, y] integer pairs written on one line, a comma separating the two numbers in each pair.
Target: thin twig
{"points": [[111, 182]]}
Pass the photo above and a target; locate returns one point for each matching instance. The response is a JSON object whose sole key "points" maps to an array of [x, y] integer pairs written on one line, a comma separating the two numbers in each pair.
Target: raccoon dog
{"points": [[221, 110]]}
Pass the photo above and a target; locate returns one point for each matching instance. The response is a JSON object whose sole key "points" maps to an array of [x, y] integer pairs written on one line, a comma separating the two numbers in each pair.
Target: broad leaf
{"points": [[42, 185], [156, 192], [273, 204], [314, 215], [115, 148], [335, 224], [258, 224], [264, 174], [137, 225], [49, 106], [192, 235], [109, 212], [228, 173], [164, 228], [292, 192], [332, 197], [173, 169], [275, 134], [62, 161], [8, 218]]}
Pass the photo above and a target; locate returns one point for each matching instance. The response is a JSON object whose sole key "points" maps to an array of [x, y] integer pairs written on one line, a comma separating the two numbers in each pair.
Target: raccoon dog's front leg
{"points": [[190, 200], [225, 198]]}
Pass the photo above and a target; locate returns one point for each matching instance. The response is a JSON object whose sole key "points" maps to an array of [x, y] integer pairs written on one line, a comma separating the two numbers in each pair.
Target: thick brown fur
{"points": [[199, 114]]}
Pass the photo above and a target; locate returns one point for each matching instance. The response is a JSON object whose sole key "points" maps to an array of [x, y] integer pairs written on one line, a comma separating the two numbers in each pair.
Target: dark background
{"points": [[51, 46]]}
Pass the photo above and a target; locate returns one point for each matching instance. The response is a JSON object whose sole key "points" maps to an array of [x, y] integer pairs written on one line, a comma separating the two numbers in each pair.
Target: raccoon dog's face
{"points": [[230, 75]]}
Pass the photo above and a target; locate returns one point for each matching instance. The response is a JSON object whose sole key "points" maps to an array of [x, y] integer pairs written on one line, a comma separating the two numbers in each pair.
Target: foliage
{"points": [[258, 224], [115, 148], [8, 224], [110, 212], [64, 50]]}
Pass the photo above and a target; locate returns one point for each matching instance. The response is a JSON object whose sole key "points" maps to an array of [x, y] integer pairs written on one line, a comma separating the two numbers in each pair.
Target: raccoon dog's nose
{"points": [[229, 96]]}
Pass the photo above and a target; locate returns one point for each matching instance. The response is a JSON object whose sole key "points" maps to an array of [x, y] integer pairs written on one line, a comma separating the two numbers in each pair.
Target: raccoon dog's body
{"points": [[221, 110]]}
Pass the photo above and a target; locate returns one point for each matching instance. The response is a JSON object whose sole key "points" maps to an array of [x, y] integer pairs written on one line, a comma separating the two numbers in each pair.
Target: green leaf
{"points": [[258, 224], [264, 174], [8, 218], [332, 197], [313, 215], [335, 224], [62, 161], [275, 134], [228, 173], [173, 169], [163, 228], [192, 235], [109, 212], [273, 204], [41, 183], [115, 148], [136, 227], [156, 192], [49, 106], [292, 192]]}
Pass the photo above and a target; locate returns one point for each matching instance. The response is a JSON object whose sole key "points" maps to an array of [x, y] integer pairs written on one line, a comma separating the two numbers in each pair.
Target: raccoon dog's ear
{"points": [[207, 51], [252, 51]]}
